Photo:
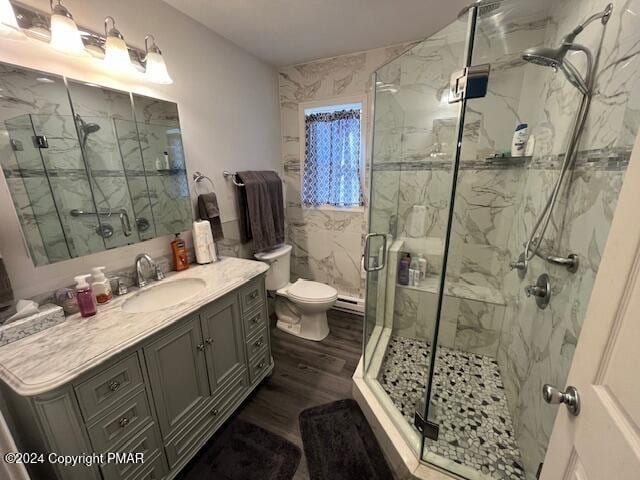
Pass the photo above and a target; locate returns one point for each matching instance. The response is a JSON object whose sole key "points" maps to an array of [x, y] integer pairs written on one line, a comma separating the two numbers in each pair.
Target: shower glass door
{"points": [[414, 154]]}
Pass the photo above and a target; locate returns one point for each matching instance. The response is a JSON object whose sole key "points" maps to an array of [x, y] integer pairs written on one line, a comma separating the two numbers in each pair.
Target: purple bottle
{"points": [[403, 269], [84, 295]]}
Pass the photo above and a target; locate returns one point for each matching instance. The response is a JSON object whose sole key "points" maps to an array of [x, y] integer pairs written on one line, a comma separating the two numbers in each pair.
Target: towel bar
{"points": [[233, 178]]}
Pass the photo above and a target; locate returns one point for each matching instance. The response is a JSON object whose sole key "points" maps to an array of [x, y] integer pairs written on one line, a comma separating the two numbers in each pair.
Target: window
{"points": [[332, 169]]}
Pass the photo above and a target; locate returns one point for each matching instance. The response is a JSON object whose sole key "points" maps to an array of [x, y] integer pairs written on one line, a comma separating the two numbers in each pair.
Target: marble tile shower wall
{"points": [[327, 244], [536, 346]]}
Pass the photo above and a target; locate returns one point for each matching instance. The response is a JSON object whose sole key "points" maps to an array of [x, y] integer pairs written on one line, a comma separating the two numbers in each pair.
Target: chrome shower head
{"points": [[544, 56], [91, 128], [86, 128], [556, 57]]}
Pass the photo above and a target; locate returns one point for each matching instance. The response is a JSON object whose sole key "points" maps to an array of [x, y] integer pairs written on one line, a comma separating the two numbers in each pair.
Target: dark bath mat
{"points": [[340, 445], [243, 451]]}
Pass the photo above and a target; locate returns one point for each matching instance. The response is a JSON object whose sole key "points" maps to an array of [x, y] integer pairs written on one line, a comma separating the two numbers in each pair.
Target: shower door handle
{"points": [[367, 245]]}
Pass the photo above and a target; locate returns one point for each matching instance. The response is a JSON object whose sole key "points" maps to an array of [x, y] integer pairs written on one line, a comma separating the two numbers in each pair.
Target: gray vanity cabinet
{"points": [[164, 397], [222, 330], [178, 375]]}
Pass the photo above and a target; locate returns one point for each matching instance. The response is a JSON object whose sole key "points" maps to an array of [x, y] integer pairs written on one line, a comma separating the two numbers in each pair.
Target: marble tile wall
{"points": [[466, 325], [327, 244], [536, 346]]}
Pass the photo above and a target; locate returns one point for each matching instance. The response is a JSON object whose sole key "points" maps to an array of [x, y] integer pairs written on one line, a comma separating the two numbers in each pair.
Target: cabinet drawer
{"points": [[147, 441], [156, 469], [202, 426], [259, 364], [119, 422], [256, 344], [252, 295], [109, 386], [254, 321]]}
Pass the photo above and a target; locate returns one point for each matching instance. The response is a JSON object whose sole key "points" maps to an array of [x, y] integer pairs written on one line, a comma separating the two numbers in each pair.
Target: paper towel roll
{"points": [[417, 223], [203, 244]]}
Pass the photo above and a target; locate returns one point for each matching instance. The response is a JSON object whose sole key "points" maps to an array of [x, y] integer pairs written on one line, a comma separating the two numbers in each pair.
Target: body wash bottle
{"points": [[84, 295], [101, 285]]}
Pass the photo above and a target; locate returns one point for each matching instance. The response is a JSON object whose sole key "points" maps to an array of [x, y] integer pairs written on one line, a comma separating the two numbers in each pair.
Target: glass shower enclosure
{"points": [[458, 355]]}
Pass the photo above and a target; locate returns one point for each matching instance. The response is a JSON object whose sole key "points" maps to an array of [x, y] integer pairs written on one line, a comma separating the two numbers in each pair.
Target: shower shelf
{"points": [[505, 159], [478, 293]]}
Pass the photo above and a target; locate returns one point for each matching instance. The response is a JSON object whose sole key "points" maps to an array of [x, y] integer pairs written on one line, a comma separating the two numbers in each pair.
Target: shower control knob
{"points": [[569, 397], [541, 291], [535, 291]]}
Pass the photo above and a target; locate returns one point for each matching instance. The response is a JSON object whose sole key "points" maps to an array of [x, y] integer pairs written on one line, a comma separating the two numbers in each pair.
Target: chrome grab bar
{"points": [[367, 248]]}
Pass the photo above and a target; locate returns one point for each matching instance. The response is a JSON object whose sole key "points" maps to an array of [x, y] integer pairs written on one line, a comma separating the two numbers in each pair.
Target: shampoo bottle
{"points": [[101, 285], [414, 271], [84, 295], [519, 143], [179, 251], [423, 267]]}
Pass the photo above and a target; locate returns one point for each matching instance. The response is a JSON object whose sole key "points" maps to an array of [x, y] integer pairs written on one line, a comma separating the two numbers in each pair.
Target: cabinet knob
{"points": [[254, 320], [114, 386], [259, 342], [261, 365], [214, 412], [200, 347], [124, 421], [209, 341], [253, 295]]}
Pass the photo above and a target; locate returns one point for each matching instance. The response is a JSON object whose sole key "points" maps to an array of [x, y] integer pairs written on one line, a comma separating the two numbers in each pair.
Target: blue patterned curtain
{"points": [[332, 159]]}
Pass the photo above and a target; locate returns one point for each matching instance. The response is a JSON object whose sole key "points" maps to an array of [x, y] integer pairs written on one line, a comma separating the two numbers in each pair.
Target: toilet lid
{"points": [[312, 291]]}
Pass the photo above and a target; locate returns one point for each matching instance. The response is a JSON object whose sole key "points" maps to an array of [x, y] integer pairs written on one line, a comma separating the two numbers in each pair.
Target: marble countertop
{"points": [[46, 360]]}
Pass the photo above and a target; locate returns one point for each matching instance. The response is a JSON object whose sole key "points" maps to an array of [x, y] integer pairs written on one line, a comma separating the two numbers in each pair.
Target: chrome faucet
{"points": [[140, 280]]}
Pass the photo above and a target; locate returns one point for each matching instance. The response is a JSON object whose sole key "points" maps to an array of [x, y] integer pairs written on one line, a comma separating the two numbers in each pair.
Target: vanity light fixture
{"points": [[65, 35], [116, 53], [8, 24], [156, 68]]}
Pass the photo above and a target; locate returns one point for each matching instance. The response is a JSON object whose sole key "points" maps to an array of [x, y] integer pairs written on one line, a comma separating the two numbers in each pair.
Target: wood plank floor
{"points": [[306, 374]]}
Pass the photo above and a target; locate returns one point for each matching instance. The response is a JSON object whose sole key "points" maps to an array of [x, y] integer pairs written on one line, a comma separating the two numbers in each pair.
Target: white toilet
{"points": [[301, 306]]}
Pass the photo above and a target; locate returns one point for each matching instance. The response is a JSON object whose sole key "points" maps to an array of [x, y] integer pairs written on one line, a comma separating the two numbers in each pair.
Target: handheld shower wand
{"points": [[556, 59]]}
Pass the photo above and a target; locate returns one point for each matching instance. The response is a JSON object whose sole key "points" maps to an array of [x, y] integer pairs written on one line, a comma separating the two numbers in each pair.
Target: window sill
{"points": [[331, 208]]}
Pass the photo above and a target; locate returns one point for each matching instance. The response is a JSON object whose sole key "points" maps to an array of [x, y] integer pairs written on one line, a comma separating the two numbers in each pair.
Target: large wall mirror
{"points": [[89, 168]]}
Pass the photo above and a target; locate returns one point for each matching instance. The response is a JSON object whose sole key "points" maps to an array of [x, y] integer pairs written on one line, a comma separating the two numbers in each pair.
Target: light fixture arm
{"points": [[153, 48], [59, 9], [113, 31]]}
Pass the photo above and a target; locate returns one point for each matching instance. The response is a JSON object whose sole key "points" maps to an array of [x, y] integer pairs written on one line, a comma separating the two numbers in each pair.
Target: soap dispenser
{"points": [[84, 295], [101, 285]]}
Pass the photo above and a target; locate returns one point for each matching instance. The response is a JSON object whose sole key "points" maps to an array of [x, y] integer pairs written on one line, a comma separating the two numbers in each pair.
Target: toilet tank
{"points": [[279, 260]]}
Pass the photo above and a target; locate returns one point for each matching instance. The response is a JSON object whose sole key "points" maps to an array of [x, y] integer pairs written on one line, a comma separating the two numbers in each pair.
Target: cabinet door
{"points": [[178, 375], [222, 330]]}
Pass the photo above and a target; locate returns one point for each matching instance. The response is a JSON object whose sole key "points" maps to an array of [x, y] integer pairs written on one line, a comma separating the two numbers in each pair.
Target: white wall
{"points": [[228, 105]]}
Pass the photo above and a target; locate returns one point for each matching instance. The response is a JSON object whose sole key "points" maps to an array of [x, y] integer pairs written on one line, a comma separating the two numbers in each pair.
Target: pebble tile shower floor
{"points": [[469, 401]]}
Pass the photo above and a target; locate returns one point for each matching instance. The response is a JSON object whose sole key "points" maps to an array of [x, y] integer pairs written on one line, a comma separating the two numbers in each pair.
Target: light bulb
{"points": [[65, 36], [156, 68], [8, 24], [116, 53]]}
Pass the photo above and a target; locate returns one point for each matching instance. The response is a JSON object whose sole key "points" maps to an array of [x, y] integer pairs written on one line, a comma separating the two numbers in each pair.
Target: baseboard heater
{"points": [[350, 304]]}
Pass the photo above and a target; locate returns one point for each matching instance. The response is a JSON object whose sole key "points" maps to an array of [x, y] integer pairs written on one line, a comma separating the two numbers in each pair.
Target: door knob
{"points": [[569, 397]]}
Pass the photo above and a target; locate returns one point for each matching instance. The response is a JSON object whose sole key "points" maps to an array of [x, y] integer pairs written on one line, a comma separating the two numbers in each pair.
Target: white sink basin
{"points": [[164, 295]]}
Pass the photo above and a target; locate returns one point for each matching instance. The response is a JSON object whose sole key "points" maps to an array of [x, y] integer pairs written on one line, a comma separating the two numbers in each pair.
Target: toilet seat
{"points": [[310, 292]]}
